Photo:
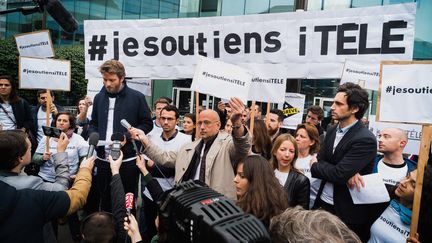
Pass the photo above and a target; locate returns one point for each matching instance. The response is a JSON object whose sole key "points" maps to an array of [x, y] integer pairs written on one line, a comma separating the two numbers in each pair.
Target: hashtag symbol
{"points": [[97, 47], [388, 89]]}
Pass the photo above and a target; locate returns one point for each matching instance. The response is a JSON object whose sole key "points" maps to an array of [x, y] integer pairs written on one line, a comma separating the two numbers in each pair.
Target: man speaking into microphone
{"points": [[115, 101]]}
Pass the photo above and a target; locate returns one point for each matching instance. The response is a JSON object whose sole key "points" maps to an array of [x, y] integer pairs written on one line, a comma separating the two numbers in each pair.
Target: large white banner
{"points": [[40, 73], [405, 93], [268, 85], [413, 132], [310, 44], [293, 109], [365, 74], [35, 44], [221, 79], [142, 85]]}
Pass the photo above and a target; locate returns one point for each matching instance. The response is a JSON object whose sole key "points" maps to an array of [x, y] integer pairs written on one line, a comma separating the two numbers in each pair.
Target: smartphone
{"points": [[51, 131]]}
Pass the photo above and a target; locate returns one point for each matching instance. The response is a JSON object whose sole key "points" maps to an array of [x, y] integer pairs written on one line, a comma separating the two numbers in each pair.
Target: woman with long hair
{"points": [[308, 145], [189, 125], [261, 141], [258, 190], [284, 156]]}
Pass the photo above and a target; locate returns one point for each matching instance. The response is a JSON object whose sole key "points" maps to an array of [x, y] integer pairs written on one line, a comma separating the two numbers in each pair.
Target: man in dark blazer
{"points": [[349, 148]]}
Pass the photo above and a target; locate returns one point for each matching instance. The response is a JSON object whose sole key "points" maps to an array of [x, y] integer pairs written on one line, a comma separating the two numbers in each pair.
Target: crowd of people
{"points": [[296, 182]]}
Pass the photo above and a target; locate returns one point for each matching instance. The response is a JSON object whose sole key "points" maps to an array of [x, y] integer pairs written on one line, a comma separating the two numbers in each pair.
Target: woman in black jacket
{"points": [[284, 155]]}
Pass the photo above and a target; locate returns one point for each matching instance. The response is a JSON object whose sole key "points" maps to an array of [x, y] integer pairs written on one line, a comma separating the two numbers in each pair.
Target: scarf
{"points": [[404, 212]]}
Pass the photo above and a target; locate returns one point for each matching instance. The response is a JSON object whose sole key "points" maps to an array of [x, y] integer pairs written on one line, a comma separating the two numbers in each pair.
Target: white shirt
{"points": [[110, 124], [303, 164], [171, 145], [392, 175], [281, 176], [5, 118], [76, 148], [389, 228]]}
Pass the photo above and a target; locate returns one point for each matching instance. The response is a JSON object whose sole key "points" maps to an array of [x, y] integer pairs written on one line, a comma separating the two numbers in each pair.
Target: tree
{"points": [[9, 66]]}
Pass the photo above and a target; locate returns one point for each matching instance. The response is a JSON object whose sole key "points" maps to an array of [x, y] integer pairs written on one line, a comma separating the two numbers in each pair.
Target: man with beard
{"points": [[275, 123], [349, 148], [115, 101]]}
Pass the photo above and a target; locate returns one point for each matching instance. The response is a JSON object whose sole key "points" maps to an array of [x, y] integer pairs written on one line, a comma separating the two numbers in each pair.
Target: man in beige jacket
{"points": [[211, 158]]}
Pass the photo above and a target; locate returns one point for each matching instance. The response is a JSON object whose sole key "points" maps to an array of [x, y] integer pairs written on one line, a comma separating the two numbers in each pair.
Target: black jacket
{"points": [[130, 105], [355, 153], [22, 113], [297, 187], [23, 213]]}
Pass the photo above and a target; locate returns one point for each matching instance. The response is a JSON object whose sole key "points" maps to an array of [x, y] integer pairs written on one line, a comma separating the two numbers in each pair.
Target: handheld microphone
{"points": [[93, 141], [116, 138], [129, 202], [127, 125]]}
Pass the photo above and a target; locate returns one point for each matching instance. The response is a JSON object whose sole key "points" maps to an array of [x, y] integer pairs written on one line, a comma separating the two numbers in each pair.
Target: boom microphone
{"points": [[93, 141], [59, 14]]}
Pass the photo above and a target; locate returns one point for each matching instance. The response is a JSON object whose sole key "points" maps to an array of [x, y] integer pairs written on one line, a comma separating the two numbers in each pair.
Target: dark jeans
{"points": [[99, 198]]}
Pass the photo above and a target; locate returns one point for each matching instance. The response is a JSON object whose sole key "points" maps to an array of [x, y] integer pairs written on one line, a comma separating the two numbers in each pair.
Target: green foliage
{"points": [[9, 66]]}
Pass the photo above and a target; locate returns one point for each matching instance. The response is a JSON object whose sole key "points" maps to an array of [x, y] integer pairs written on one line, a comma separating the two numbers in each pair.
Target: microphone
{"points": [[127, 125], [93, 141], [59, 14], [116, 138], [129, 202]]}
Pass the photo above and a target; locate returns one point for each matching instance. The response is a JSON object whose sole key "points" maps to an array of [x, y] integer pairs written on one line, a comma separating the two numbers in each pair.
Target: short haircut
{"points": [[317, 110], [356, 98], [72, 119], [99, 227], [161, 100], [191, 116], [43, 91], [171, 108], [279, 113], [12, 146], [317, 226], [113, 67]]}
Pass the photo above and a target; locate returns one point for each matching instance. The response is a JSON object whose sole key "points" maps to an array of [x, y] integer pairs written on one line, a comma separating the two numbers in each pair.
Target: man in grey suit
{"points": [[349, 148]]}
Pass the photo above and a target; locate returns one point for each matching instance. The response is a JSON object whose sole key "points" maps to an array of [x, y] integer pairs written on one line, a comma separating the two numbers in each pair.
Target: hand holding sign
{"points": [[237, 108]]}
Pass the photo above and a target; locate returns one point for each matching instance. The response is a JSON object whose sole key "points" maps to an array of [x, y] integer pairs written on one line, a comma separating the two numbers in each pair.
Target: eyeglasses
{"points": [[206, 123]]}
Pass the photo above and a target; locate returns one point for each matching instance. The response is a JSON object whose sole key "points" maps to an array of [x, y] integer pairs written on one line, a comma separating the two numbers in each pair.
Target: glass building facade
{"points": [[317, 91]]}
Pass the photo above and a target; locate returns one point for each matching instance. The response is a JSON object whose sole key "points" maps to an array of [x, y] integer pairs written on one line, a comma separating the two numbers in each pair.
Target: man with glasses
{"points": [[210, 159], [170, 139]]}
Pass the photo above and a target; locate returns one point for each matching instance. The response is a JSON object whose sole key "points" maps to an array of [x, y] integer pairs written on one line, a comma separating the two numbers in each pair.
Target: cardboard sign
{"points": [[365, 74], [293, 109], [267, 85], [221, 79], [39, 73], [405, 93], [35, 44]]}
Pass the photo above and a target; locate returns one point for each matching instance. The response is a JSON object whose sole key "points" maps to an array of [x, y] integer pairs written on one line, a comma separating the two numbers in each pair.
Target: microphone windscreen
{"points": [[94, 138], [61, 15], [117, 136]]}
